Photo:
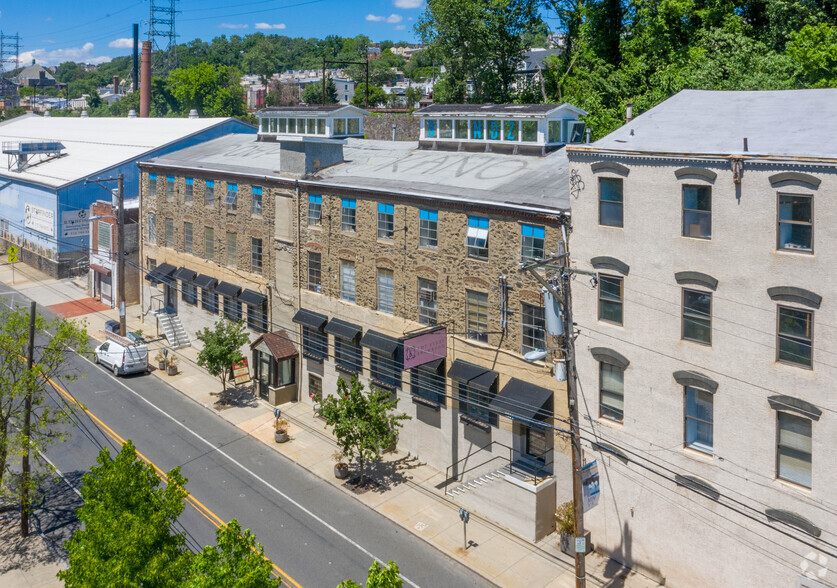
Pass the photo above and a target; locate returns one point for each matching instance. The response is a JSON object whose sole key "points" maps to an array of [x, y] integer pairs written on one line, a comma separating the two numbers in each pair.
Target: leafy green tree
{"points": [[377, 96], [125, 537], [378, 577], [211, 90], [814, 50], [313, 93], [412, 96], [237, 561], [17, 382], [220, 350], [363, 422], [262, 60]]}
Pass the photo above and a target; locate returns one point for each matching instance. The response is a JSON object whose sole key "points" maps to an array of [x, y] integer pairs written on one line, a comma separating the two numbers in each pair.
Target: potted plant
{"points": [[341, 468], [171, 365], [280, 434], [160, 358], [565, 524]]}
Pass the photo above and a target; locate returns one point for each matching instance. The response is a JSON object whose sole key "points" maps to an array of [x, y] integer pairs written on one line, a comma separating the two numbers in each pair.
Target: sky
{"points": [[95, 31]]}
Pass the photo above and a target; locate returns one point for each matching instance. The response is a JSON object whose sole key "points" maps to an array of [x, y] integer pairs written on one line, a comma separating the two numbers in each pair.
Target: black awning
{"points": [[380, 342], [343, 329], [252, 298], [309, 318], [161, 272], [524, 400], [227, 289], [184, 274], [471, 374], [204, 281], [432, 366]]}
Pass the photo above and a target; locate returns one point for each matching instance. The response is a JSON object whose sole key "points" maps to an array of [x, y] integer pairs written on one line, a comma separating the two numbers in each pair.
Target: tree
{"points": [[814, 49], [221, 350], [238, 561], [412, 96], [378, 577], [363, 422], [313, 93], [262, 59], [377, 96], [211, 90], [125, 537], [280, 94], [17, 382]]}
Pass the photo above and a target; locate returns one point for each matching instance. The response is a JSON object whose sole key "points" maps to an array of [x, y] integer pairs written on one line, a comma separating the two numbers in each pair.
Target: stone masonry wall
{"points": [[379, 127]]}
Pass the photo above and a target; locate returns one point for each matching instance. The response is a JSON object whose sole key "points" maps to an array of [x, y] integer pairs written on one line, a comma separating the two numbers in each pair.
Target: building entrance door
{"points": [[263, 368], [171, 299]]}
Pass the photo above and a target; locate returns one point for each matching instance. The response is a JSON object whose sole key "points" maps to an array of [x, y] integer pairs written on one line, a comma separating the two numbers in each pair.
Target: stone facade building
{"points": [[705, 354]]}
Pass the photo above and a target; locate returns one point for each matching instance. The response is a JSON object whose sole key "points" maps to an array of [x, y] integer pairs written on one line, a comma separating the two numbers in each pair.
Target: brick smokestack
{"points": [[145, 80], [116, 84]]}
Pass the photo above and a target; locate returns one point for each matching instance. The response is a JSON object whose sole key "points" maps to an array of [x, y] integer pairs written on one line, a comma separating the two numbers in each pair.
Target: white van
{"points": [[121, 355]]}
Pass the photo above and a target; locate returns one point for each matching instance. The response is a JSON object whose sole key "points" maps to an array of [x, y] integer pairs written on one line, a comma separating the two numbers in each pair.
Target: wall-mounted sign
{"points": [[425, 348], [590, 485], [75, 223], [241, 372], [39, 219]]}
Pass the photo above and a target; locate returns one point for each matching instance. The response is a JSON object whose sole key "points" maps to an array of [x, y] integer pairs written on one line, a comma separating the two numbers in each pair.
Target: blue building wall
{"points": [[78, 196]]}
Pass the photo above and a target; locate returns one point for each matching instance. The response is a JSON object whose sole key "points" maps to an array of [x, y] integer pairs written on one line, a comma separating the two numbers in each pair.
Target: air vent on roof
{"points": [[21, 152]]}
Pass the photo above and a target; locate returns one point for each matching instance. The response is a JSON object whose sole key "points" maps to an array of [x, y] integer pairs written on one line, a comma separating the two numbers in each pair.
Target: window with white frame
{"points": [[796, 223], [793, 452], [427, 301], [532, 239], [386, 293], [699, 419], [534, 328], [476, 315], [315, 210], [428, 228], [315, 283], [611, 392], [386, 221], [232, 197], [209, 193], [348, 215], [256, 255], [104, 238], [477, 237], [347, 280], [256, 206]]}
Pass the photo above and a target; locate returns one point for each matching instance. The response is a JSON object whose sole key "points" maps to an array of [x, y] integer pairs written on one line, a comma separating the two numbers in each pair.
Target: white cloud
{"points": [[407, 3], [392, 18], [229, 25], [124, 43], [400, 27], [263, 26], [83, 54]]}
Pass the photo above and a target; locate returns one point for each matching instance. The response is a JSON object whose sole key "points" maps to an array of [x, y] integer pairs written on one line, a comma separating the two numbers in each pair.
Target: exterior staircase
{"points": [[486, 478], [173, 329]]}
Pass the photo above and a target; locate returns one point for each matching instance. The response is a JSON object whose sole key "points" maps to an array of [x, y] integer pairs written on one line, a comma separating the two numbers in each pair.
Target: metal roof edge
{"points": [[720, 157], [154, 164]]}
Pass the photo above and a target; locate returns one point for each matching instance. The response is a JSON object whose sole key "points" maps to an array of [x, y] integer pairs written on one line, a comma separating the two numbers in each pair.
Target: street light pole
{"points": [[120, 252]]}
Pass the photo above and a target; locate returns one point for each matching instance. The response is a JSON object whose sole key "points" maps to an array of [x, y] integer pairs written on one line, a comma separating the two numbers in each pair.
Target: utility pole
{"points": [[120, 252], [27, 417]]}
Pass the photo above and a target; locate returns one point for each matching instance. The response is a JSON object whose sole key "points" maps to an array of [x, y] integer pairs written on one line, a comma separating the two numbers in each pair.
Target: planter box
{"points": [[280, 436], [568, 543], [341, 471], [172, 371]]}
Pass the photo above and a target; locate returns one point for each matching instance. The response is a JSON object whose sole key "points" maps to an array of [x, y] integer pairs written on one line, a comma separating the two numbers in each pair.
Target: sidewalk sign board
{"points": [[241, 372]]}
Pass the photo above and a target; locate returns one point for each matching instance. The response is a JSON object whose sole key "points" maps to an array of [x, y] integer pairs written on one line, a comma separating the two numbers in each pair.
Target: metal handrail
{"points": [[538, 459]]}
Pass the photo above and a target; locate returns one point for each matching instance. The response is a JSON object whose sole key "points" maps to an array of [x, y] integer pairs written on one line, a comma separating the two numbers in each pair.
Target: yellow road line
{"points": [[194, 502]]}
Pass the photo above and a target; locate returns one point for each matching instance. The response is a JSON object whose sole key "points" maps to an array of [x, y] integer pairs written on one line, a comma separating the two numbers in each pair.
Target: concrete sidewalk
{"points": [[408, 493]]}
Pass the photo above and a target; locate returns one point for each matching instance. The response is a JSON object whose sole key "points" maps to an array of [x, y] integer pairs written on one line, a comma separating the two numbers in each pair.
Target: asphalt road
{"points": [[314, 532]]}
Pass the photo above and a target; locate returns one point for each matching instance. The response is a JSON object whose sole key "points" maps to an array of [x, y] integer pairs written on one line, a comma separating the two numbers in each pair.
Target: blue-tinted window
{"points": [[386, 221], [315, 210], [257, 190], [190, 181], [430, 129], [532, 242]]}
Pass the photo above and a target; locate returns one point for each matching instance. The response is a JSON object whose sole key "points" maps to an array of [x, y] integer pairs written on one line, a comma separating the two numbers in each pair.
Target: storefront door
{"points": [[263, 368], [171, 298]]}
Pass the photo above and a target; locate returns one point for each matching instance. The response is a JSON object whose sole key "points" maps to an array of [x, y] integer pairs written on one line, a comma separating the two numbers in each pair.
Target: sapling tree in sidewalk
{"points": [[378, 577], [221, 350], [364, 423]]}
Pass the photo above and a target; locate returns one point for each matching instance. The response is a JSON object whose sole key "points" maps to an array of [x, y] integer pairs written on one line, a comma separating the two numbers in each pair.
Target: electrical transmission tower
{"points": [[9, 49], [163, 37]]}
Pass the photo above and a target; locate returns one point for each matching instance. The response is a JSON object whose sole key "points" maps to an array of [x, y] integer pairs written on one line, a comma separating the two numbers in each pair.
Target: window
{"points": [[511, 129], [699, 419], [386, 221], [348, 216], [232, 197], [445, 129], [209, 300], [554, 131], [697, 212], [477, 129], [611, 392], [529, 130], [473, 402], [347, 281], [430, 129], [427, 301], [256, 207], [314, 343], [264, 124], [232, 250], [494, 130], [794, 449], [169, 187], [256, 255], [283, 124], [386, 295], [796, 222], [534, 328], [315, 283], [257, 317], [104, 238], [532, 242], [353, 126], [428, 383], [209, 193], [321, 124], [273, 125], [384, 369], [170, 232], [477, 237], [209, 243], [610, 202], [189, 193], [428, 228], [795, 337], [315, 210], [152, 185], [188, 237], [189, 292], [476, 315], [610, 299], [348, 355], [232, 309], [292, 125], [152, 227], [461, 129], [312, 126], [339, 126], [315, 386], [697, 316]]}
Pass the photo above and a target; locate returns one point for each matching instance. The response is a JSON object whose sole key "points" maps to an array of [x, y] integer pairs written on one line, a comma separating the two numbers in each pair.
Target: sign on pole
{"points": [[581, 545], [590, 485], [12, 252]]}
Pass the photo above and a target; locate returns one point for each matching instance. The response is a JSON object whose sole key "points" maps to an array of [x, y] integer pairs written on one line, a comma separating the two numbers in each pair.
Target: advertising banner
{"points": [[241, 372], [39, 219], [425, 348], [590, 485], [75, 223]]}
